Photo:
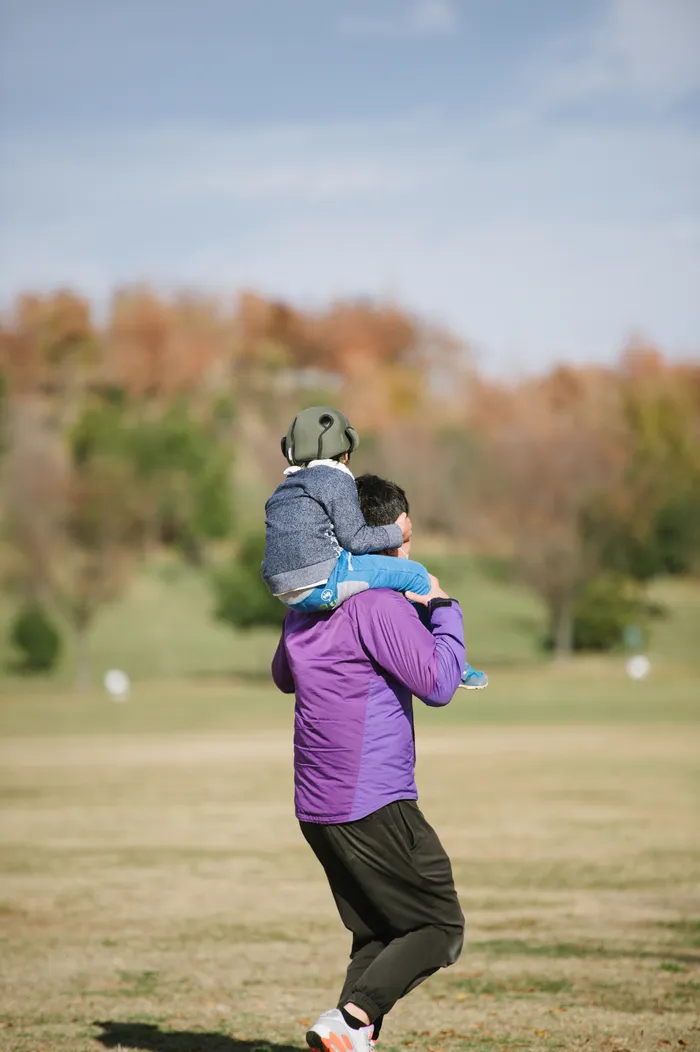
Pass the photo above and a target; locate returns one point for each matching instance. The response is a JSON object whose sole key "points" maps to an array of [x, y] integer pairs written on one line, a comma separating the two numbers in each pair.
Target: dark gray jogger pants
{"points": [[392, 883]]}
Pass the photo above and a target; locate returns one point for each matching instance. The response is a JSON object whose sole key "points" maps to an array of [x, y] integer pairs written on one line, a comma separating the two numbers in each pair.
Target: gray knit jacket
{"points": [[309, 518]]}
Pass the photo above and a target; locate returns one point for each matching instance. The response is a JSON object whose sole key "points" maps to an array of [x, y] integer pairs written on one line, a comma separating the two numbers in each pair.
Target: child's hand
{"points": [[436, 592], [406, 526]]}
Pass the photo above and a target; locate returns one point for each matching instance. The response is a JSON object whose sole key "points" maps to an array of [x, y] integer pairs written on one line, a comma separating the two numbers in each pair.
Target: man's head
{"points": [[381, 503]]}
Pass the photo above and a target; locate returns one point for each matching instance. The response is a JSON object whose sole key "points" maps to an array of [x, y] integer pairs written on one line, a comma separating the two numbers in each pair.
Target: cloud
{"points": [[177, 165], [655, 45], [643, 50], [420, 18]]}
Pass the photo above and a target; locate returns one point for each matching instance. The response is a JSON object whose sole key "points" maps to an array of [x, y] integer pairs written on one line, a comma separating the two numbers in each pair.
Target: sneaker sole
{"points": [[333, 1043], [468, 686]]}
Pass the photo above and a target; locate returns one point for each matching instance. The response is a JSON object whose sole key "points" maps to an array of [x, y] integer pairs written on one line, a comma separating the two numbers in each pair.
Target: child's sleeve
{"points": [[351, 530]]}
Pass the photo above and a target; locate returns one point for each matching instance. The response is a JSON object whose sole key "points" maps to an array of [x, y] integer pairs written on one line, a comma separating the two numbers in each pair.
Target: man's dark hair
{"points": [[381, 501]]}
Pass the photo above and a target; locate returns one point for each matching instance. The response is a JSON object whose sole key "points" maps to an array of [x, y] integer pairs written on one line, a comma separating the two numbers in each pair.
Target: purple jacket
{"points": [[353, 671]]}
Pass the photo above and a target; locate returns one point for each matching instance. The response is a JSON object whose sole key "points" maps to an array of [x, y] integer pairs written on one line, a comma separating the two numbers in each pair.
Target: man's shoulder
{"points": [[373, 602], [377, 600]]}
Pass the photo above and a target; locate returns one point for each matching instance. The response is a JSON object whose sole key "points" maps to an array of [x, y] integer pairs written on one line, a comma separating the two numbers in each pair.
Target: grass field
{"points": [[155, 892]]}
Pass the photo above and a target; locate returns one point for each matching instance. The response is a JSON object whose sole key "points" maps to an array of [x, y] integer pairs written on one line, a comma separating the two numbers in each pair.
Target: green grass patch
{"points": [[510, 986], [687, 930], [518, 948], [28, 858], [229, 934], [162, 628], [585, 692], [137, 984], [642, 873], [572, 951]]}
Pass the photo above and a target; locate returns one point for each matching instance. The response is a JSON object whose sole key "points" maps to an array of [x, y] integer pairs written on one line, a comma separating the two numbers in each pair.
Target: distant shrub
{"points": [[35, 636], [610, 605], [670, 546], [242, 599]]}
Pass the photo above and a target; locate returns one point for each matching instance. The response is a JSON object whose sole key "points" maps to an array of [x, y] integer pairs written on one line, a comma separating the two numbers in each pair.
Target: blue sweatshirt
{"points": [[309, 519]]}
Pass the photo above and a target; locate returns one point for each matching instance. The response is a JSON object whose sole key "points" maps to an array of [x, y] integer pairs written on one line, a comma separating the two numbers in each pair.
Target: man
{"points": [[354, 671]]}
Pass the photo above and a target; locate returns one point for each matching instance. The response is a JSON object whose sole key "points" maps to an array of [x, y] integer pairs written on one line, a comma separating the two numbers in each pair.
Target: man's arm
{"points": [[351, 530], [281, 672], [428, 662]]}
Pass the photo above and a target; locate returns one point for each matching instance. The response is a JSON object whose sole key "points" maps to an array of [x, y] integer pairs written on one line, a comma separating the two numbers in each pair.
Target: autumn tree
{"points": [[74, 520], [109, 451], [551, 448], [659, 532]]}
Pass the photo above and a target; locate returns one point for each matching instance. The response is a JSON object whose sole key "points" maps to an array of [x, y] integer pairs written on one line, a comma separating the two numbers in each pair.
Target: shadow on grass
{"points": [[151, 1038]]}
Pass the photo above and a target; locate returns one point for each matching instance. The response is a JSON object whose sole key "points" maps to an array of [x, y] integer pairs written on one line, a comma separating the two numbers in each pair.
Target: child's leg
{"points": [[356, 573], [311, 600]]}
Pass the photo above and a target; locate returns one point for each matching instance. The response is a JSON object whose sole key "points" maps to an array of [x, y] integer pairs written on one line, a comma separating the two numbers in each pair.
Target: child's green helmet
{"points": [[319, 433]]}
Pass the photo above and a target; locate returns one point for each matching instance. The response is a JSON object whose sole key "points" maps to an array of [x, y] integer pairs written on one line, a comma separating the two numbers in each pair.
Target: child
{"points": [[318, 545]]}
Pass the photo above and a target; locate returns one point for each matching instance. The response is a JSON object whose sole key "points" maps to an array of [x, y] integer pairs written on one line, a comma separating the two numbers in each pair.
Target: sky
{"points": [[526, 174]]}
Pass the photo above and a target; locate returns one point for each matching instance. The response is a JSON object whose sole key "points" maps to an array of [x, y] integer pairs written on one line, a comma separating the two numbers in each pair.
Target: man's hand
{"points": [[406, 526], [436, 592]]}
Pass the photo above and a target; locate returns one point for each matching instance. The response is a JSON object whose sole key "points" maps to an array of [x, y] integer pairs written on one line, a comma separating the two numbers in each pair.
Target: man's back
{"points": [[354, 671]]}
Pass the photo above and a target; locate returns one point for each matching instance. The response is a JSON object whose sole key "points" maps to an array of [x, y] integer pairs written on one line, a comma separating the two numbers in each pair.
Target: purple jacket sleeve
{"points": [[428, 663], [281, 672]]}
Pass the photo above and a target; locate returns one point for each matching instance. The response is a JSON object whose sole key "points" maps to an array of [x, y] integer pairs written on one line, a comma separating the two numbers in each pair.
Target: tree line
{"points": [[156, 423]]}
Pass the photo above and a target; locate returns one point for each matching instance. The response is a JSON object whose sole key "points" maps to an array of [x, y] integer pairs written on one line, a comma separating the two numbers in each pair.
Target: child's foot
{"points": [[472, 679]]}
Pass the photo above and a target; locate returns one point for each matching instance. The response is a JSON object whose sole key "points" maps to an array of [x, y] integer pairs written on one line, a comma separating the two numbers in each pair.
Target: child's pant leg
{"points": [[356, 573], [317, 599]]}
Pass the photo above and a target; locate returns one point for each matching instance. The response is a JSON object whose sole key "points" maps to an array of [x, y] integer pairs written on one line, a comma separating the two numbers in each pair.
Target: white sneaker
{"points": [[330, 1033]]}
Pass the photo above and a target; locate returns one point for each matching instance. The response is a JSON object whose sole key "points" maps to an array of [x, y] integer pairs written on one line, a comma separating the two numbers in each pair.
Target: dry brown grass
{"points": [[156, 893]]}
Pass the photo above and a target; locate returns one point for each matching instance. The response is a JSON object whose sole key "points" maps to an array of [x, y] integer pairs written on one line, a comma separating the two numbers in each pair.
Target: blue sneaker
{"points": [[472, 679]]}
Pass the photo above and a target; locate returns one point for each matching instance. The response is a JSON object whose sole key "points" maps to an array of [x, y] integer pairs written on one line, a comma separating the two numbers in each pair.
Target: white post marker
{"points": [[638, 666], [117, 684]]}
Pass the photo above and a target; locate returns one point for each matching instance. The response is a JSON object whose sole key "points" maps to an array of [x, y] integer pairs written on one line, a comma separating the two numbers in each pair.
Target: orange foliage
{"points": [[43, 338], [156, 349], [513, 466]]}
